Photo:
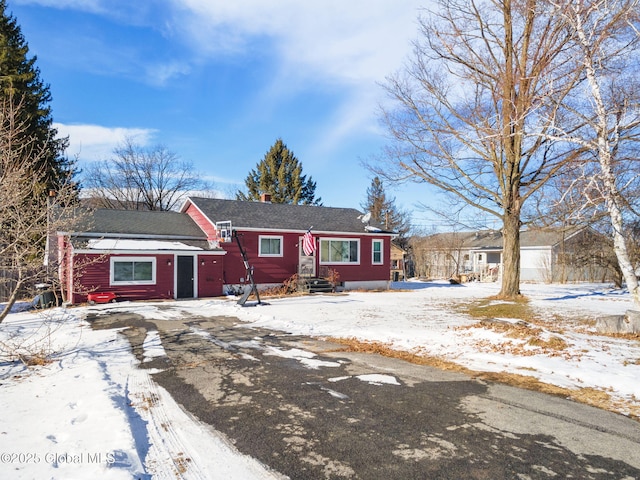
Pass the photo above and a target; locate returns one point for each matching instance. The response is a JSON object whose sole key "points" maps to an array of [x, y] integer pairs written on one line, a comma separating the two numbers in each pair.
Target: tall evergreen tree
{"points": [[384, 211], [279, 174], [20, 83]]}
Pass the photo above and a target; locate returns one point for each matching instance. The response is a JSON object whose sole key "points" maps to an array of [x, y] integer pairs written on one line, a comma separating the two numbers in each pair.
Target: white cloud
{"points": [[160, 73], [352, 45], [95, 142], [351, 41], [345, 46], [357, 114]]}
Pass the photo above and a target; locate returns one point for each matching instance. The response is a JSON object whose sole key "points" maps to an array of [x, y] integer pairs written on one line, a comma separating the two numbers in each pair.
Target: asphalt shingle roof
{"points": [[142, 222], [492, 239], [279, 216], [543, 238]]}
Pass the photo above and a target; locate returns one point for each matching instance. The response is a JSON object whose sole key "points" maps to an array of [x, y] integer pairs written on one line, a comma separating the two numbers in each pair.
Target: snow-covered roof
{"points": [[129, 244]]}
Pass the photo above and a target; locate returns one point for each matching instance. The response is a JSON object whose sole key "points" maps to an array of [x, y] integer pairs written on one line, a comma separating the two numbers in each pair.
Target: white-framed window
{"points": [[376, 252], [132, 271], [269, 246], [338, 250]]}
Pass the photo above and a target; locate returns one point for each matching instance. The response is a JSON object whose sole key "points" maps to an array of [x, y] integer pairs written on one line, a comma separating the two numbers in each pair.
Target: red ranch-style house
{"points": [[139, 255], [197, 252]]}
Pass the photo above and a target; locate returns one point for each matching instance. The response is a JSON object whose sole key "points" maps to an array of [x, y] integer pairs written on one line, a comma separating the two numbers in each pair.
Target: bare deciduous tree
{"points": [[28, 212], [139, 178], [439, 255], [466, 114]]}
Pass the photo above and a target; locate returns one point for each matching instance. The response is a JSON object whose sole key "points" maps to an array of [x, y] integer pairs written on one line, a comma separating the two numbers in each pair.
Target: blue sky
{"points": [[218, 81]]}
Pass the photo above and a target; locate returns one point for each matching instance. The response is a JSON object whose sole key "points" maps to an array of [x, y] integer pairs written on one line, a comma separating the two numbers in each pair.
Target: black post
{"points": [[249, 270]]}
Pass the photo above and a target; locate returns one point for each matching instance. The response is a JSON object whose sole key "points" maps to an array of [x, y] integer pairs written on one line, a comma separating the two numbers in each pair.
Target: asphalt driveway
{"points": [[308, 409]]}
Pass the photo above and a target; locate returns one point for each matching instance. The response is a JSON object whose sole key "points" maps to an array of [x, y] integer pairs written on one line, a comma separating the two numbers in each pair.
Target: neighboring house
{"points": [[551, 255], [141, 254], [357, 253], [398, 256]]}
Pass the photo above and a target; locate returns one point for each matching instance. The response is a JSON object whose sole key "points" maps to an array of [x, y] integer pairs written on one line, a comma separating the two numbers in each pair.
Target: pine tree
{"points": [[384, 211], [20, 83], [279, 174]]}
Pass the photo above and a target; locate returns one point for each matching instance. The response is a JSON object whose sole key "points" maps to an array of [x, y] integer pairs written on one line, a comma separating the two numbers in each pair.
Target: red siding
{"points": [[265, 269], [365, 270], [210, 275], [92, 274], [278, 269], [201, 221]]}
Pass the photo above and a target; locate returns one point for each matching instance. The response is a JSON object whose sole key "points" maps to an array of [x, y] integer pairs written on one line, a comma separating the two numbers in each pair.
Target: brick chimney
{"points": [[265, 198]]}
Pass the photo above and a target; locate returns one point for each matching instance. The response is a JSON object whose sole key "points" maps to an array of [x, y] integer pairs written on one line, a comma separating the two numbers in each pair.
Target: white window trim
{"points": [[373, 252], [151, 260], [333, 239], [270, 237]]}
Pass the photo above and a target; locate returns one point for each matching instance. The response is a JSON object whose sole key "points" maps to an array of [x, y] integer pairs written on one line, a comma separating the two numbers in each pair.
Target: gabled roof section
{"points": [[397, 248], [280, 216], [140, 223], [488, 239], [492, 239], [547, 237]]}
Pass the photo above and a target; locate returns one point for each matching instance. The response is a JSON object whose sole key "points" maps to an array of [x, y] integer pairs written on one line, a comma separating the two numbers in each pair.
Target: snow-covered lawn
{"points": [[92, 413]]}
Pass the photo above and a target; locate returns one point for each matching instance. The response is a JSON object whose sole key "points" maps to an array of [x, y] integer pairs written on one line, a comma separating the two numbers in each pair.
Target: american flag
{"points": [[308, 243]]}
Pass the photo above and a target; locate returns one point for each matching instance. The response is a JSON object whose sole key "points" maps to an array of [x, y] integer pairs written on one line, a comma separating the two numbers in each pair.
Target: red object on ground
{"points": [[101, 297]]}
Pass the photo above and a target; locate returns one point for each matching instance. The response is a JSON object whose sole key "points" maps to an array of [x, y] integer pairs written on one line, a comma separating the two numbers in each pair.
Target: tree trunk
{"points": [[511, 255], [12, 298], [612, 200], [512, 131], [619, 244], [606, 159]]}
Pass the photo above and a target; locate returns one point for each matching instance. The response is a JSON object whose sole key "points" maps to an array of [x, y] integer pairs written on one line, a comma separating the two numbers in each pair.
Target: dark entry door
{"points": [[184, 288]]}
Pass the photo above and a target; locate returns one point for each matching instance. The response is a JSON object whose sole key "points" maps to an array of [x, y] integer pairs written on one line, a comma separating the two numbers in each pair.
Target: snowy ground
{"points": [[91, 412]]}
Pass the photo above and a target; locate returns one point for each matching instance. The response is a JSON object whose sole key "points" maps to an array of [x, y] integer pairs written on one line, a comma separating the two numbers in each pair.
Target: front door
{"points": [[306, 263], [184, 288]]}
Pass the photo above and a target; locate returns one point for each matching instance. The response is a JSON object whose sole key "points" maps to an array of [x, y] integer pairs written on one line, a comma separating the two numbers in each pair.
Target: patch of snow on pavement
{"points": [[378, 379], [371, 378], [152, 346], [334, 393], [304, 357]]}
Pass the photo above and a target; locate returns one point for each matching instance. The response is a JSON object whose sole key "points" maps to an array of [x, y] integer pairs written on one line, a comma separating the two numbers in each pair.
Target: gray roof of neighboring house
{"points": [[280, 216], [543, 238], [140, 223], [492, 239], [479, 239]]}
